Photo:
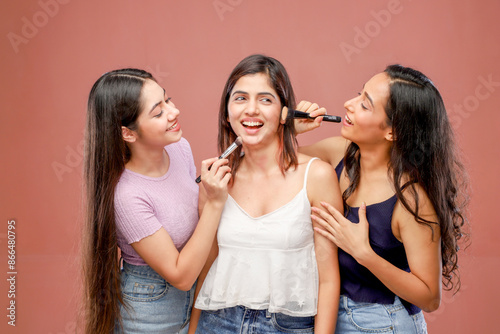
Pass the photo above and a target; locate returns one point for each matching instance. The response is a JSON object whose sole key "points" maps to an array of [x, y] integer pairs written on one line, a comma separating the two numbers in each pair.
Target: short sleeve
{"points": [[134, 215], [188, 156]]}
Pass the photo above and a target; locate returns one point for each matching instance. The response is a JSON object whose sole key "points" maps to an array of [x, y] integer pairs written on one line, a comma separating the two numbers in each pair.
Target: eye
{"points": [[362, 104], [266, 100], [239, 98], [159, 114]]}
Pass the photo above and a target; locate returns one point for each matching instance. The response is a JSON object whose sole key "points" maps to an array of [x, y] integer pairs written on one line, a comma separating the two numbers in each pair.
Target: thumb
{"points": [[362, 214]]}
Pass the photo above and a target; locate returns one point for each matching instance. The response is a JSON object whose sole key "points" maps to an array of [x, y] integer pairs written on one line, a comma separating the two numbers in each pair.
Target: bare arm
{"points": [[421, 286], [330, 150], [182, 268], [323, 186]]}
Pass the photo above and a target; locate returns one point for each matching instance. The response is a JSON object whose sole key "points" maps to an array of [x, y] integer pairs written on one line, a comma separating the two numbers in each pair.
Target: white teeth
{"points": [[252, 123], [348, 120], [173, 126]]}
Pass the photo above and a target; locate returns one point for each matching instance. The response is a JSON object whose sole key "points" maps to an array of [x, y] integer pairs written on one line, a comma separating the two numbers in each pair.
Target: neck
{"points": [[374, 157], [152, 162], [261, 160]]}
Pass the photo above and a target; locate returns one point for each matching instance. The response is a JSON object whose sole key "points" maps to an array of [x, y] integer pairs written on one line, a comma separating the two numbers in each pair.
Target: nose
{"points": [[252, 108], [349, 104], [172, 112]]}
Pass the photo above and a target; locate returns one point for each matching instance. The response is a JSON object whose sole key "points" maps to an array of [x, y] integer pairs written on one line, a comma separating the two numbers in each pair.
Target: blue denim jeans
{"points": [[152, 304], [242, 320], [358, 317]]}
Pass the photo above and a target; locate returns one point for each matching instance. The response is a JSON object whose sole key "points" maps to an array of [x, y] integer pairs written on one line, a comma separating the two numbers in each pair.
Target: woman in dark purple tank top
{"points": [[404, 195]]}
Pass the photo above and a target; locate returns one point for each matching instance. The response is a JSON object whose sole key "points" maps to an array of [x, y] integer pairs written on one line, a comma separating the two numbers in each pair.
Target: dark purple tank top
{"points": [[357, 282]]}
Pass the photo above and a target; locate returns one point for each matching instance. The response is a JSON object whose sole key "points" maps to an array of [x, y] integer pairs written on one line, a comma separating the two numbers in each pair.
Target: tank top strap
{"points": [[307, 171]]}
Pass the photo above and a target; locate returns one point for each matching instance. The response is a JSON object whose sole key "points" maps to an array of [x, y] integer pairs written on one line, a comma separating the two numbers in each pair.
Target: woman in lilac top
{"points": [[141, 197], [404, 194]]}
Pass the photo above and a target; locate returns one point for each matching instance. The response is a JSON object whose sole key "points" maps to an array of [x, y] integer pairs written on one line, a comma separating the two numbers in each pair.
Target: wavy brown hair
{"points": [[424, 153], [114, 101], [280, 82]]}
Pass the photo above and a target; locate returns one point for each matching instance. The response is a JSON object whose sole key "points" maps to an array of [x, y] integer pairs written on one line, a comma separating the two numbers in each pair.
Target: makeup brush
{"points": [[225, 154], [300, 114]]}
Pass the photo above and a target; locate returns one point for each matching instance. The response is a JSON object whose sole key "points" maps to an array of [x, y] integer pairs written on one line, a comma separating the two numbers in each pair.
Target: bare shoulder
{"points": [[405, 219], [322, 184], [425, 207], [317, 168]]}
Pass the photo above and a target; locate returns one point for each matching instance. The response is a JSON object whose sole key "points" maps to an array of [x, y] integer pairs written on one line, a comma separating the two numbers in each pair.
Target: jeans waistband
{"points": [[349, 304], [142, 271]]}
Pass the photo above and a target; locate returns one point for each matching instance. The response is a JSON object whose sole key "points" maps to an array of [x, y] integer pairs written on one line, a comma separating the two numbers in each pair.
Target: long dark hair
{"points": [[279, 80], [423, 152], [114, 101]]}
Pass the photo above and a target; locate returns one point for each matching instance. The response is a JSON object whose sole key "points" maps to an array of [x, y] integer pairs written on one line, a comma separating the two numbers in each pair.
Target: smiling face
{"points": [[158, 125], [254, 110], [366, 120]]}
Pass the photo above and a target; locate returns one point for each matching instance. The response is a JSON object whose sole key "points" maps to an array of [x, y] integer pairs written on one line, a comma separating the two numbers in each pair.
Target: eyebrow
{"points": [[157, 104], [368, 96], [260, 93]]}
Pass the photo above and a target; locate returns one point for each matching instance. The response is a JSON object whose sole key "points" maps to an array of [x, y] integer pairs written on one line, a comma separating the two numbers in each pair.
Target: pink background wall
{"points": [[53, 50]]}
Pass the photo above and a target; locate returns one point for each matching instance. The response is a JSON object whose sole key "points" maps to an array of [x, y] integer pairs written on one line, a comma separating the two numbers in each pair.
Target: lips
{"points": [[252, 124], [175, 126], [348, 120]]}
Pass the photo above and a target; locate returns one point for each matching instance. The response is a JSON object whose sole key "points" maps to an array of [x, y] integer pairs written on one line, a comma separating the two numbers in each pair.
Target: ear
{"points": [[284, 115], [128, 135], [388, 136]]}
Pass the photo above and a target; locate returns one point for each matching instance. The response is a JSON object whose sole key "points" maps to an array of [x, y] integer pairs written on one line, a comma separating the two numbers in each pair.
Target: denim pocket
{"points": [[286, 323], [370, 318], [138, 288], [420, 324]]}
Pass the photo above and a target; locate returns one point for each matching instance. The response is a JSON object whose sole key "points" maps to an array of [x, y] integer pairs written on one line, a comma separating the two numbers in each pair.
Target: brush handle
{"points": [[331, 118], [327, 118], [226, 153]]}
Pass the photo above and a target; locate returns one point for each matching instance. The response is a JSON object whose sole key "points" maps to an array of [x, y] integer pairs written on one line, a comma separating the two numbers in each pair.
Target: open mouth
{"points": [[348, 121], [172, 127], [252, 125]]}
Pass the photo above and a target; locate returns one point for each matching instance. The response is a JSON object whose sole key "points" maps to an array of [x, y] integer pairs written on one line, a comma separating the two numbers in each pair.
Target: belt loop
{"points": [[345, 302], [268, 314]]}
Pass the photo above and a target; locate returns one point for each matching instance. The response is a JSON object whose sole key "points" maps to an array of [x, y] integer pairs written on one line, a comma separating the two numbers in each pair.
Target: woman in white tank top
{"points": [[268, 272]]}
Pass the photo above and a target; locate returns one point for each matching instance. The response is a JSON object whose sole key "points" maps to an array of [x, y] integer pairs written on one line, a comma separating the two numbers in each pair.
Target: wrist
{"points": [[214, 204], [365, 256]]}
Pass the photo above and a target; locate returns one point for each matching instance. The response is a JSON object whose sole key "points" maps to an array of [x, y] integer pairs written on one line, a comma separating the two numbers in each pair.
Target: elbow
{"points": [[180, 282], [184, 286], [432, 305]]}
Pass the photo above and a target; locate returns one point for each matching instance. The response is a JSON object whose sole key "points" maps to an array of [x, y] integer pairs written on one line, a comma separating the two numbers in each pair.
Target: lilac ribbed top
{"points": [[145, 204]]}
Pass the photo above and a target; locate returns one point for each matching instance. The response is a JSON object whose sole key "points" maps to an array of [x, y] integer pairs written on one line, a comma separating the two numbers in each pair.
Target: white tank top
{"points": [[266, 262]]}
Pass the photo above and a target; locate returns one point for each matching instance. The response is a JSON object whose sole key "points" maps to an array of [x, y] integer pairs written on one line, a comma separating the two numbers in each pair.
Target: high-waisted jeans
{"points": [[242, 320], [357, 317], [154, 305]]}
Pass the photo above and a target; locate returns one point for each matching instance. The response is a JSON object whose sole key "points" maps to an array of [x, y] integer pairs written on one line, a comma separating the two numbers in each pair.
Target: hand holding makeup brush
{"points": [[304, 125], [216, 175]]}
